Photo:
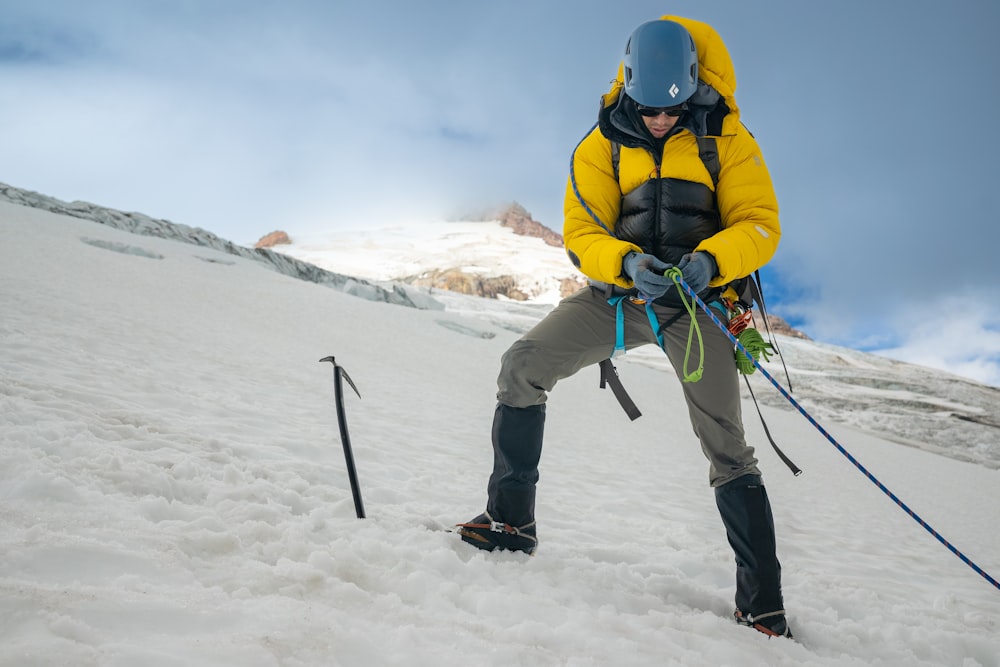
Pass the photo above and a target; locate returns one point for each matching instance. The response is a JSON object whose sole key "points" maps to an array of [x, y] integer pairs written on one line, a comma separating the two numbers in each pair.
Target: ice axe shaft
{"points": [[339, 375]]}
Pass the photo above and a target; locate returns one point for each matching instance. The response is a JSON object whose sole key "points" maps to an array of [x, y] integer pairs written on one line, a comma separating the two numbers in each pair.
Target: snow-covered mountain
{"points": [[487, 257], [172, 489]]}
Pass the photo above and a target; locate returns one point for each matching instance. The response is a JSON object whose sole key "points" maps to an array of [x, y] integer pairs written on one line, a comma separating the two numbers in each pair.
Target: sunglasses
{"points": [[653, 112]]}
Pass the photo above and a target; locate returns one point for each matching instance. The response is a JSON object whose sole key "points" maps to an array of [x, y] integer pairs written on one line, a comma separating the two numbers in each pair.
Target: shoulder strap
{"points": [[709, 154], [616, 156]]}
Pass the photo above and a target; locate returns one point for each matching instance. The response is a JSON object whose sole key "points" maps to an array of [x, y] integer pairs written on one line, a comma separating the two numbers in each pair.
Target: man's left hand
{"points": [[697, 268]]}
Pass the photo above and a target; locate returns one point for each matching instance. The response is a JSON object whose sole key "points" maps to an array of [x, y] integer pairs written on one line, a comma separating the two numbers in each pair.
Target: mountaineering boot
{"points": [[746, 513], [771, 625], [485, 533], [509, 520]]}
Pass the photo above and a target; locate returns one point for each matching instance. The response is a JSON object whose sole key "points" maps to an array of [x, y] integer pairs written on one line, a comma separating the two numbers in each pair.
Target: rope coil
{"points": [[756, 346]]}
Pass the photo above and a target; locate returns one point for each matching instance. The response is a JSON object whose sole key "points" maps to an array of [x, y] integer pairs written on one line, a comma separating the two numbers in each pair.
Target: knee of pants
{"points": [[519, 383]]}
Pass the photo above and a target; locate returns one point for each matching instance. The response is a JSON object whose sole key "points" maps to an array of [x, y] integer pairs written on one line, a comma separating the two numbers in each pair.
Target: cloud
{"points": [[243, 117], [959, 334]]}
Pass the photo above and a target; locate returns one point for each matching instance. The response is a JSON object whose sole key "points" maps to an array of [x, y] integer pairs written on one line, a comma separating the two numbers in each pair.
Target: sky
{"points": [[173, 489], [245, 117]]}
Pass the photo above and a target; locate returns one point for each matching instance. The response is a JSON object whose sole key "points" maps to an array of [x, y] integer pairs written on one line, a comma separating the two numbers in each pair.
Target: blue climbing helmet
{"points": [[661, 64]]}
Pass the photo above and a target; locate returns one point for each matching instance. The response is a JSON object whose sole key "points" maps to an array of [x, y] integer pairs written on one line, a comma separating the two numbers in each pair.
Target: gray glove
{"points": [[646, 271], [697, 268]]}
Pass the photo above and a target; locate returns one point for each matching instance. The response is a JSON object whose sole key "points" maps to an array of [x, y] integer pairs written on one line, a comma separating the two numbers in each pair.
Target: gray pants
{"points": [[580, 332]]}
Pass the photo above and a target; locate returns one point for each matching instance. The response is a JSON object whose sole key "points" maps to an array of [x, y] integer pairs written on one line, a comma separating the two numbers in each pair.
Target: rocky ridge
{"points": [[138, 223]]}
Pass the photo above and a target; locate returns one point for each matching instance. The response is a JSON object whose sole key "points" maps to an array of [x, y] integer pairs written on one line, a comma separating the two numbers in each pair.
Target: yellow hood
{"points": [[715, 68]]}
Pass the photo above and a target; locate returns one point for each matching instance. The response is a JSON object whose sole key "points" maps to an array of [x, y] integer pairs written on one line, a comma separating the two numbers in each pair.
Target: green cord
{"points": [[675, 274], [755, 345], [749, 338]]}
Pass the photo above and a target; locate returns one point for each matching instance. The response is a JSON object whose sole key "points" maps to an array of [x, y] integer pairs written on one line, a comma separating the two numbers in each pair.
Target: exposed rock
{"points": [[780, 326], [490, 287], [274, 238], [519, 220], [569, 285], [456, 280]]}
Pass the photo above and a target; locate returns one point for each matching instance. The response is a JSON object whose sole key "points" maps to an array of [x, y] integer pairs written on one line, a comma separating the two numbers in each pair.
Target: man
{"points": [[668, 177]]}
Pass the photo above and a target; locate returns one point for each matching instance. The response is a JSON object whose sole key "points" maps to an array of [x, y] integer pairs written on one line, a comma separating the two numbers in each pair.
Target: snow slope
{"points": [[172, 489]]}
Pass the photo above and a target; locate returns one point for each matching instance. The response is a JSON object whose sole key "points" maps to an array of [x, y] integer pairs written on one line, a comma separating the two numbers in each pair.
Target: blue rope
{"points": [[978, 570], [576, 190]]}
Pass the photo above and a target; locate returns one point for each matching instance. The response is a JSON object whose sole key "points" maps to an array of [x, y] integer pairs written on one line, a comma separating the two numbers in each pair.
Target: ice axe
{"points": [[345, 437]]}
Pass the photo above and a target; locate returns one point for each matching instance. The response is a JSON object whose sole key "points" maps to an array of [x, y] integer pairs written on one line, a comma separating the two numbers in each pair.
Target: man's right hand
{"points": [[646, 271]]}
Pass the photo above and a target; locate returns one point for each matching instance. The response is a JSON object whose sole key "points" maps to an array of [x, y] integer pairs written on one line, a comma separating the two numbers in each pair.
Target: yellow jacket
{"points": [[747, 205]]}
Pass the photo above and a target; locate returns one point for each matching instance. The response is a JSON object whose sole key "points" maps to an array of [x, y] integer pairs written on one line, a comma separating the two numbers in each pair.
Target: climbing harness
{"points": [[961, 556], [693, 331]]}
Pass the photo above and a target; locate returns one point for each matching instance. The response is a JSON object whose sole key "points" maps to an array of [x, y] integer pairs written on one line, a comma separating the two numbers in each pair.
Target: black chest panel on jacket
{"points": [[668, 217]]}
